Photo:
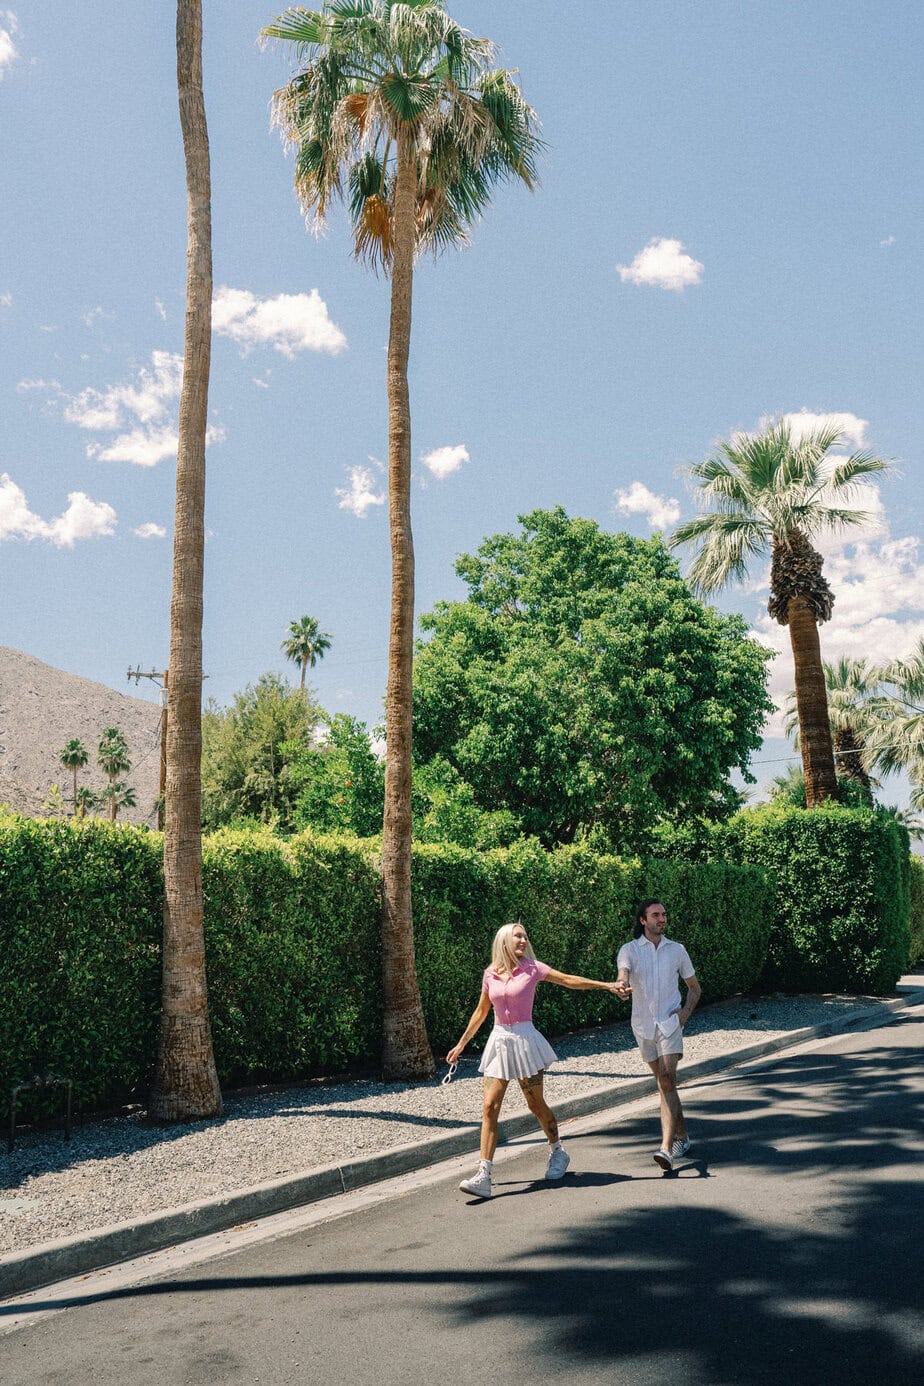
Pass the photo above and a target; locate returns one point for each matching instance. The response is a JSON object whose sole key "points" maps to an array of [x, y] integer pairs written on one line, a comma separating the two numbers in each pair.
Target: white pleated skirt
{"points": [[516, 1051]]}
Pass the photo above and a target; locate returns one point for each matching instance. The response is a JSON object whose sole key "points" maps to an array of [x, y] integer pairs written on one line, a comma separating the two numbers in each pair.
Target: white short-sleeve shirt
{"points": [[653, 974]]}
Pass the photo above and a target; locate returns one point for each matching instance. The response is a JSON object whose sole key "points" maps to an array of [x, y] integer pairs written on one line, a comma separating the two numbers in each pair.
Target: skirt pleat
{"points": [[516, 1051]]}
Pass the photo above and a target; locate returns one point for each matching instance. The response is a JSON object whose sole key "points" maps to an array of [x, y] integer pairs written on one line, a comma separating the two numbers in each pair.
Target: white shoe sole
{"points": [[475, 1190], [664, 1161]]}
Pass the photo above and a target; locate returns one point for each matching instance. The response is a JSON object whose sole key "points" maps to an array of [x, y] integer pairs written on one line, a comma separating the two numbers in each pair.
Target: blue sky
{"points": [[729, 227]]}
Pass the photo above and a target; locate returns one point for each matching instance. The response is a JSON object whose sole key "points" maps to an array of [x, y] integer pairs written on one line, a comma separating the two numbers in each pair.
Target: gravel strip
{"points": [[118, 1169]]}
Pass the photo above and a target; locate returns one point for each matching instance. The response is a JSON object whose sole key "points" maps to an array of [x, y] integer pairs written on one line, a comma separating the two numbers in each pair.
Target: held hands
{"points": [[622, 990]]}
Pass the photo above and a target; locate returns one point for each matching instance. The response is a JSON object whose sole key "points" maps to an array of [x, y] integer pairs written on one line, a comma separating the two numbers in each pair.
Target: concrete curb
{"points": [[85, 1252]]}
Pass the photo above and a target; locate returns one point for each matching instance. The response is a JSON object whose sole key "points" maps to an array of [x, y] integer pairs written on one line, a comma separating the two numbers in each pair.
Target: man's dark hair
{"points": [[641, 910]]}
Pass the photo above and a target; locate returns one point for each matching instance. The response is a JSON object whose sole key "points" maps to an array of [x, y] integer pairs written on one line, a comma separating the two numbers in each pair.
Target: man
{"points": [[649, 967]]}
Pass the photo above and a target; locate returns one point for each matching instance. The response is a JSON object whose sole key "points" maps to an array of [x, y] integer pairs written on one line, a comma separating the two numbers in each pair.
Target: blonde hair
{"points": [[503, 958]]}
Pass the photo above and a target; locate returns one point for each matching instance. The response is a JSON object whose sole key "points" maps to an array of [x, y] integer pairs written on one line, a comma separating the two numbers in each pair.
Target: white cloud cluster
{"points": [[6, 300], [148, 404], [442, 462], [664, 264], [149, 400], [659, 511], [804, 421], [288, 322], [150, 530], [83, 518], [361, 494], [8, 49], [889, 240]]}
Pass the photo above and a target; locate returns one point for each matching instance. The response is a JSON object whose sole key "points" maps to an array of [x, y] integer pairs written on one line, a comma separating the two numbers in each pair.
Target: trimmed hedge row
{"points": [[842, 894], [293, 950], [917, 909]]}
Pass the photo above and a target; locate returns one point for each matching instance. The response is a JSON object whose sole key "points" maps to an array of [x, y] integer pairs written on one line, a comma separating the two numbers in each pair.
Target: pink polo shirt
{"points": [[512, 997]]}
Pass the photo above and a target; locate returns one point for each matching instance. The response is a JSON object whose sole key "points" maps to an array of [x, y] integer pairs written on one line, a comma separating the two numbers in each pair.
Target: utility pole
{"points": [[162, 679]]}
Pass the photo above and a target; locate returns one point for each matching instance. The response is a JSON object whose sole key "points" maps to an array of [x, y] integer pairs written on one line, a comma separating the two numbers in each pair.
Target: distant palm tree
{"points": [[897, 734], [772, 496], [306, 644], [118, 796], [398, 110], [853, 696], [86, 799], [74, 757], [114, 761]]}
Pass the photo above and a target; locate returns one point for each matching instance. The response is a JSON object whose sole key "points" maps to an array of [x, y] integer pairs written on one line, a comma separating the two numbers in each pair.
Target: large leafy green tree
{"points": [[248, 750], [399, 111], [305, 644], [581, 687], [770, 495], [74, 757], [185, 1086]]}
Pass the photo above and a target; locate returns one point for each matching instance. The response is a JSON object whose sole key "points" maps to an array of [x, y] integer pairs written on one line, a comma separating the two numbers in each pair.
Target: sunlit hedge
{"points": [[293, 951]]}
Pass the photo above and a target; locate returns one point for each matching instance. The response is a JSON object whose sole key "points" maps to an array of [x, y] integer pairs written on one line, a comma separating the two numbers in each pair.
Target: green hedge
{"points": [[292, 941], [578, 909], [843, 879], [916, 952]]}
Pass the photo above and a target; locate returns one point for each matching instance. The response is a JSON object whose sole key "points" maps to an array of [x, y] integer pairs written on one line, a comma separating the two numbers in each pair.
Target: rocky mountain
{"points": [[42, 708]]}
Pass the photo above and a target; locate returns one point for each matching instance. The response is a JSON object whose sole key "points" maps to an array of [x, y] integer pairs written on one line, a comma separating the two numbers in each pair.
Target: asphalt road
{"points": [[785, 1250]]}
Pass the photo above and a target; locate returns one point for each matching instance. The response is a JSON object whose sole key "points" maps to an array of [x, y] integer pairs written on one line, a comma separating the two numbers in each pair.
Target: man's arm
{"points": [[694, 992]]}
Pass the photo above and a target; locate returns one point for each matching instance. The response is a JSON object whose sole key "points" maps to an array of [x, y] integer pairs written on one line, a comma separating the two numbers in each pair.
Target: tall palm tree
{"points": [[773, 495], [185, 1084], [853, 695], [74, 757], [306, 644], [397, 110], [114, 761]]}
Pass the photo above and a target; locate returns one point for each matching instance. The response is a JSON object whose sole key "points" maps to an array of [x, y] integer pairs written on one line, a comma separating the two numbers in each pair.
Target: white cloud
{"points": [[148, 400], [150, 530], [288, 322], [804, 421], [361, 494], [83, 518], [442, 462], [889, 240], [8, 49], [161, 309], [145, 447], [664, 264], [91, 316], [659, 511], [6, 300], [24, 385], [148, 403]]}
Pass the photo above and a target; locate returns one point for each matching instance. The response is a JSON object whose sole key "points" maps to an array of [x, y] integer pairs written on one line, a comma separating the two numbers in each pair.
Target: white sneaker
{"points": [[559, 1160], [681, 1148], [480, 1183], [663, 1158]]}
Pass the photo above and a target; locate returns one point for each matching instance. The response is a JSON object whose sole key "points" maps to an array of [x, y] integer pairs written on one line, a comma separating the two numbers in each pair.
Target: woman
{"points": [[515, 1048]]}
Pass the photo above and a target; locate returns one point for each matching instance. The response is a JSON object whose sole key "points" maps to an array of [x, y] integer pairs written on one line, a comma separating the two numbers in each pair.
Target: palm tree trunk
{"points": [[74, 768], [304, 667], [811, 704], [849, 749], [185, 1082], [406, 1051]]}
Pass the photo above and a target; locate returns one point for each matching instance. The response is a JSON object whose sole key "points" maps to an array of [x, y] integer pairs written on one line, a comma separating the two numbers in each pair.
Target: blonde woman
{"points": [[515, 1048]]}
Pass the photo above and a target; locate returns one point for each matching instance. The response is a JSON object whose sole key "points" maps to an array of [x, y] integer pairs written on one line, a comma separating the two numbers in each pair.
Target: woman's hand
{"points": [[455, 1054], [622, 990]]}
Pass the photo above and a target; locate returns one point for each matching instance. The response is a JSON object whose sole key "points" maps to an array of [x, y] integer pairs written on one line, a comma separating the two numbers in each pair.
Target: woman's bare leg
{"points": [[535, 1101], [494, 1089]]}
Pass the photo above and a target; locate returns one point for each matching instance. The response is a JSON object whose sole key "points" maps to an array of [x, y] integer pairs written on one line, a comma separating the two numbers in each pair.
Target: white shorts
{"points": [[516, 1051], [661, 1045]]}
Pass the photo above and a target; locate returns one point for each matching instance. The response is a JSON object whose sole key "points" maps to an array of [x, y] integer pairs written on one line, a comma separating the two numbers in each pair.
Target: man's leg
{"points": [[673, 1125]]}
